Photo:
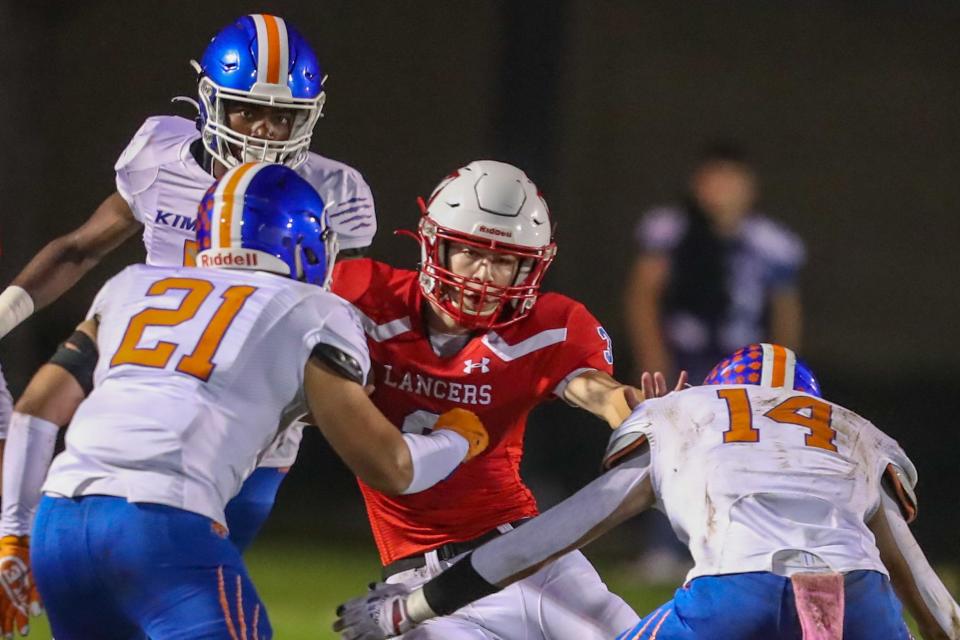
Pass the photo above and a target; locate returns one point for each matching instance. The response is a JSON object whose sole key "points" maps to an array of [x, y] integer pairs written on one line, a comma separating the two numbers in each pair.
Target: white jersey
{"points": [[758, 479], [196, 367], [160, 179]]}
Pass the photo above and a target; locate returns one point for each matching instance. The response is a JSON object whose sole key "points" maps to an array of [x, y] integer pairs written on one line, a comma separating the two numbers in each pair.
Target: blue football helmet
{"points": [[265, 217], [766, 365], [259, 59]]}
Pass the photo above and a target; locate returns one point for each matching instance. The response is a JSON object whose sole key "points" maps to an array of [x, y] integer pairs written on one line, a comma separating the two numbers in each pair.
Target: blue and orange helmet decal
{"points": [[265, 217], [766, 365]]}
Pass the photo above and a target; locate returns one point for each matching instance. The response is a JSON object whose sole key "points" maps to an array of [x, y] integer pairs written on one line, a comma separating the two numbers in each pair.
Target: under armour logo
{"points": [[483, 365]]}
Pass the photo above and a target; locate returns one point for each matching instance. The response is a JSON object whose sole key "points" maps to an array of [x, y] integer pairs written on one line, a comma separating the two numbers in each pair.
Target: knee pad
{"points": [[78, 355]]}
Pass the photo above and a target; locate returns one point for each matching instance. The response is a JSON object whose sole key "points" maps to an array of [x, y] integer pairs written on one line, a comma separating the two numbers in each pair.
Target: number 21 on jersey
{"points": [[803, 411], [199, 362]]}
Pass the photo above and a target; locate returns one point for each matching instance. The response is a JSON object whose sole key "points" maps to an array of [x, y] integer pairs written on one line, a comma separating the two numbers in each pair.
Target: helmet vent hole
{"points": [[312, 258]]}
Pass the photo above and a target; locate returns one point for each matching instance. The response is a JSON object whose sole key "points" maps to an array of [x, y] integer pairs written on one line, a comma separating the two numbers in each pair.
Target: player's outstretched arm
{"points": [[603, 504], [916, 583], [597, 392], [601, 395], [64, 260], [373, 448]]}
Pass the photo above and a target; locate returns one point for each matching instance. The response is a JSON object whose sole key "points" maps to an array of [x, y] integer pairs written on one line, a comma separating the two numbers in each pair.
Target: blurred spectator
{"points": [[713, 274]]}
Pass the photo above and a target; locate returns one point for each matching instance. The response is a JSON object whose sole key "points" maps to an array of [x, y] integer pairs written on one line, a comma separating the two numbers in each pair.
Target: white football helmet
{"points": [[492, 206]]}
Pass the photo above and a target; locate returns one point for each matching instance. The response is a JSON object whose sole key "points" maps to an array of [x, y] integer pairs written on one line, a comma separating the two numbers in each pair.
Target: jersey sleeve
{"points": [[136, 169], [353, 278], [103, 297], [900, 474], [782, 250], [630, 437], [587, 347], [350, 209], [341, 330], [660, 230]]}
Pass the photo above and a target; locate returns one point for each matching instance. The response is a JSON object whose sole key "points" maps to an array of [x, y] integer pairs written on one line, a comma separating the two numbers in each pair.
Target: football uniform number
{"points": [[199, 363], [802, 411], [741, 416], [608, 352]]}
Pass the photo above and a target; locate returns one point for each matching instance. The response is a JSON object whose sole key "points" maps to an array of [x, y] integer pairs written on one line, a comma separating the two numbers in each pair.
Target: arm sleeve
{"points": [[26, 460], [566, 526], [434, 457], [6, 406], [931, 590]]}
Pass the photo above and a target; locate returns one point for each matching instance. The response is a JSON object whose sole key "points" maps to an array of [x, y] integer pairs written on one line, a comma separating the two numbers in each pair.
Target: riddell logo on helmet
{"points": [[493, 231], [247, 259]]}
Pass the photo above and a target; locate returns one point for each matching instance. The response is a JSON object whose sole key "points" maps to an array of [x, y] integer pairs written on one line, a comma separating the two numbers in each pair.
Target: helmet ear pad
{"points": [[491, 206]]}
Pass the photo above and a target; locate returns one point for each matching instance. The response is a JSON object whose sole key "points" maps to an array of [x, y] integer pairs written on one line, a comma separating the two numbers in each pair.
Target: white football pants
{"points": [[566, 600]]}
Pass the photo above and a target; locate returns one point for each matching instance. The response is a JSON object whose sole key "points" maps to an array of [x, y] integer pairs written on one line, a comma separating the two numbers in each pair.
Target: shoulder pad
{"points": [[350, 205], [158, 140]]}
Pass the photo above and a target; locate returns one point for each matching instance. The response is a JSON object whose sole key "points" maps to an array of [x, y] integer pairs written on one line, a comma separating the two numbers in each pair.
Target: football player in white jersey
{"points": [[260, 91], [795, 510], [197, 365]]}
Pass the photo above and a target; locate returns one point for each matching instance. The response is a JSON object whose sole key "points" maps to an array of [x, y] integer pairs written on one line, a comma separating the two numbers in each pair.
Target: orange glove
{"points": [[18, 597], [468, 425]]}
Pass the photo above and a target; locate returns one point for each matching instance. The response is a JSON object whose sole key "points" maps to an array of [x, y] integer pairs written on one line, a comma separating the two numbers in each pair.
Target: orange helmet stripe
{"points": [[229, 197], [273, 49]]}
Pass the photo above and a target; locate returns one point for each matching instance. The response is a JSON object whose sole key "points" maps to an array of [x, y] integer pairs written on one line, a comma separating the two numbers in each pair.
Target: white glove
{"points": [[380, 614]]}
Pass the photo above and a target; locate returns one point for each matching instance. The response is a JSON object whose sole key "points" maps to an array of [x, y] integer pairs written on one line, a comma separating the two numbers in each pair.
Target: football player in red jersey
{"points": [[472, 329]]}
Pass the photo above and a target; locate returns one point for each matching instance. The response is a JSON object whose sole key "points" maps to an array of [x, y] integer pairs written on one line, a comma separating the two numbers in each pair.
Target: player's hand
{"points": [[380, 614], [654, 385], [468, 425], [18, 597]]}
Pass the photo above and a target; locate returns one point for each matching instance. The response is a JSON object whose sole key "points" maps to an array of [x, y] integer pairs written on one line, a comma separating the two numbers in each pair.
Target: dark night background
{"points": [[850, 109]]}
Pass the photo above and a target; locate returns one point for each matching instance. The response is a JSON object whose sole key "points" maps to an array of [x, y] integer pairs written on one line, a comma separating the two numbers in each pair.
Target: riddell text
{"points": [[228, 260]]}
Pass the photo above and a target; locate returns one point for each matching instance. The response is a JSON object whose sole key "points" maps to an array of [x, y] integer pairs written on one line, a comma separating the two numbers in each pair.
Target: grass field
{"points": [[302, 586]]}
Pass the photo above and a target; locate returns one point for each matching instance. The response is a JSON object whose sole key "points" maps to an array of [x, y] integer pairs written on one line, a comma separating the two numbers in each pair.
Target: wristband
{"points": [[16, 305]]}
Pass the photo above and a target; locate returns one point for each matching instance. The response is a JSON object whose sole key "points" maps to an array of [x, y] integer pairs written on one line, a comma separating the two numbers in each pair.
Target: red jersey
{"points": [[499, 375]]}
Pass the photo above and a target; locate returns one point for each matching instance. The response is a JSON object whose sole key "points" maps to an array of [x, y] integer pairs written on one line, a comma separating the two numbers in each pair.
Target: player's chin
{"points": [[470, 308]]}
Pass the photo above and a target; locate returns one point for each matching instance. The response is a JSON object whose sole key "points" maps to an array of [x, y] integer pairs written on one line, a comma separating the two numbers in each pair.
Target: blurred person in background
{"points": [[713, 274]]}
